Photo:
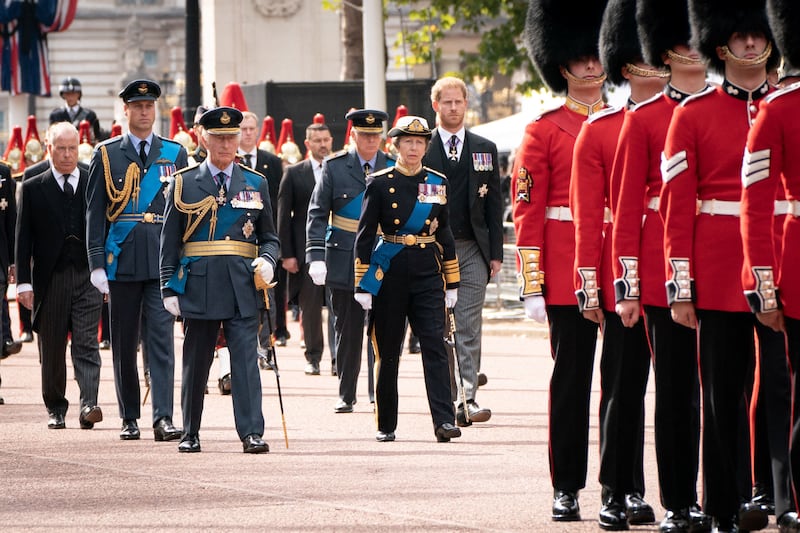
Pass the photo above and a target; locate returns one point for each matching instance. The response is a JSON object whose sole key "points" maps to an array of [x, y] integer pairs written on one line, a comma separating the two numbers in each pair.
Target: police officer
{"points": [[411, 273], [72, 111], [125, 204], [218, 227]]}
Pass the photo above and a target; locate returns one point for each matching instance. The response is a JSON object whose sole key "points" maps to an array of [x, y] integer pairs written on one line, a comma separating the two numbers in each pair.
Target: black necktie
{"points": [[367, 169], [142, 152], [248, 160], [453, 152], [69, 192]]}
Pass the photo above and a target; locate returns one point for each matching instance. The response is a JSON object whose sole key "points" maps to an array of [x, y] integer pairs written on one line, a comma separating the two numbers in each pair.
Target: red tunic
{"points": [[542, 167], [590, 200], [771, 156], [638, 237], [703, 161]]}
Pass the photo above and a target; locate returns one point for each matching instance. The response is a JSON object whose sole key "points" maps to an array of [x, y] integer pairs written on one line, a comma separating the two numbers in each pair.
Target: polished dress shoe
{"points": [[447, 431], [282, 337], [476, 414], [26, 336], [225, 385], [725, 526], [264, 362], [676, 522], [413, 344], [56, 421], [482, 379], [752, 516], [565, 506], [343, 407], [163, 430], [334, 372], [385, 436], [612, 514], [637, 510], [189, 444], [700, 521], [90, 415], [788, 522], [763, 497], [254, 444], [312, 369], [11, 347], [130, 430]]}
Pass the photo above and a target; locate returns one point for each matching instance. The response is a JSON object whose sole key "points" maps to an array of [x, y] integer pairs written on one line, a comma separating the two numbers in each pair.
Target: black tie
{"points": [[453, 153], [367, 169], [69, 192], [142, 152], [248, 160]]}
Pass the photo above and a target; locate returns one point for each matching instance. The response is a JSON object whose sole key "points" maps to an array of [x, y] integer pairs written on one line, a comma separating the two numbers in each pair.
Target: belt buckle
{"points": [[409, 239], [149, 217]]}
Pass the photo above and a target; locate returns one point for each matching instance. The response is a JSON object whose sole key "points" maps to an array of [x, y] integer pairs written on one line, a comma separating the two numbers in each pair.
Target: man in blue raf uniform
{"points": [[329, 248], [218, 227], [128, 177]]}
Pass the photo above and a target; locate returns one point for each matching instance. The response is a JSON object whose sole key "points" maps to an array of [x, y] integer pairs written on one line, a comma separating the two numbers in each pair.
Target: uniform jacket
{"points": [[342, 180], [543, 166], [62, 115], [772, 165], [294, 196], [590, 201], [218, 286], [486, 201], [8, 220], [703, 161], [41, 230], [138, 259], [271, 167]]}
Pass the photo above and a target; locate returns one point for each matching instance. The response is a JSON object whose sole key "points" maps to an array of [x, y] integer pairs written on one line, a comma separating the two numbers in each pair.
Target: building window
{"points": [[150, 58]]}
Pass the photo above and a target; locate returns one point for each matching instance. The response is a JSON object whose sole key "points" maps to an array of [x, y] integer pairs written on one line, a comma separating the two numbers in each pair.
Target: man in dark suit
{"points": [[293, 198], [476, 217], [219, 227], [127, 179], [8, 218], [72, 111], [329, 248], [53, 277]]}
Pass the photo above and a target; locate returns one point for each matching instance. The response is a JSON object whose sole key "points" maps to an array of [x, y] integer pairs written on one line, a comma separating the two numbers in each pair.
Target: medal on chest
{"points": [[431, 194]]}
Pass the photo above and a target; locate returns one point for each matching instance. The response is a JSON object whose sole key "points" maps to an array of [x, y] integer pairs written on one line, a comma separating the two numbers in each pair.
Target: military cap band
{"points": [[221, 121], [411, 125], [367, 120]]}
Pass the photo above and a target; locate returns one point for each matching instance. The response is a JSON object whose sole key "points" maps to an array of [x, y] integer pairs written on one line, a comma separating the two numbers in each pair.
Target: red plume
{"points": [[116, 130], [233, 96], [267, 139], [319, 118], [85, 130], [14, 149]]}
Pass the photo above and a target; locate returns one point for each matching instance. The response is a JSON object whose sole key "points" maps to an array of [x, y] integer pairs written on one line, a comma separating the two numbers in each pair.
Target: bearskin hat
{"points": [[714, 21], [557, 32], [784, 17], [619, 43], [662, 26]]}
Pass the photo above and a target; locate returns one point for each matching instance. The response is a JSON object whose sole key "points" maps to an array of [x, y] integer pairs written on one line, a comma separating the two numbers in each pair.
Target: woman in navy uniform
{"points": [[412, 273]]}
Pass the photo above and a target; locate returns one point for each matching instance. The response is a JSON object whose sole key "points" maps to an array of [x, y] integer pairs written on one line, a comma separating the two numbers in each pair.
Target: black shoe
{"points": [[164, 430], [282, 337], [788, 522], [225, 384], [763, 497], [447, 431], [343, 407], [26, 336], [264, 362], [476, 414], [565, 506], [334, 372], [752, 516], [482, 379], [612, 514], [130, 430], [254, 444], [104, 345], [56, 421], [11, 347], [700, 521], [90, 415], [387, 436], [189, 444], [312, 369], [637, 510], [676, 522], [413, 344]]}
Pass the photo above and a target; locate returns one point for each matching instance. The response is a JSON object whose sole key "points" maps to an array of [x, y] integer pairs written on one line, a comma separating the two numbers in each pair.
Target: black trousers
{"points": [[349, 326], [624, 368], [793, 348], [572, 341], [726, 346], [677, 407]]}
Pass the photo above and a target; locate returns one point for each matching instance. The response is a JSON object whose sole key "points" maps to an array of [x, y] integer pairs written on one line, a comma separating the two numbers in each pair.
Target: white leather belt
{"points": [[783, 207], [794, 208], [560, 212], [608, 218], [654, 202], [720, 207]]}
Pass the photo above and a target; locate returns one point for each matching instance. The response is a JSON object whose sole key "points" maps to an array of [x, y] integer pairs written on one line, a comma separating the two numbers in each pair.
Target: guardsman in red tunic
{"points": [[625, 359], [638, 260], [701, 170], [772, 167], [563, 46]]}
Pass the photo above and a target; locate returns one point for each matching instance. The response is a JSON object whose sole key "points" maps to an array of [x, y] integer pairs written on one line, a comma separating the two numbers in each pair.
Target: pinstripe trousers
{"points": [[468, 314], [71, 306]]}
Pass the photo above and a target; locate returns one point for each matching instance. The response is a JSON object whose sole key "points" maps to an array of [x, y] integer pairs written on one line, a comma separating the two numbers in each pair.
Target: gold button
{"points": [[422, 245], [227, 237], [391, 190], [428, 221], [397, 221], [394, 205], [423, 234]]}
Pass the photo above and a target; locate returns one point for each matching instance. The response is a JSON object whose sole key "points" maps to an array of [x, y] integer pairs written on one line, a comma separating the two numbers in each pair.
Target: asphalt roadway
{"points": [[333, 476]]}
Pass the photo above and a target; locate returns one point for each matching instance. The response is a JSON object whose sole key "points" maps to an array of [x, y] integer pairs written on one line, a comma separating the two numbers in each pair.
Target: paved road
{"points": [[333, 477]]}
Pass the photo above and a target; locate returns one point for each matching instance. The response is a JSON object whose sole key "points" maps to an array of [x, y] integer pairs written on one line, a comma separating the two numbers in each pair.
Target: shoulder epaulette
{"points": [[381, 172], [165, 140], [112, 140], [337, 155], [184, 169], [652, 99], [248, 170], [786, 90], [705, 92], [432, 171], [606, 112], [547, 112]]}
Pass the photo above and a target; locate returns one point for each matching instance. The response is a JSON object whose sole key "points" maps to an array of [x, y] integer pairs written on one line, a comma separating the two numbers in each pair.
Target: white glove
{"points": [[365, 299], [450, 298], [172, 305], [318, 272], [100, 280], [534, 308], [263, 268]]}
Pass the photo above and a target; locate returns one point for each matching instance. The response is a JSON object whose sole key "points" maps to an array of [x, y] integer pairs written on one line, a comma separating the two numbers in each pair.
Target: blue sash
{"points": [[384, 252], [150, 184], [352, 209]]}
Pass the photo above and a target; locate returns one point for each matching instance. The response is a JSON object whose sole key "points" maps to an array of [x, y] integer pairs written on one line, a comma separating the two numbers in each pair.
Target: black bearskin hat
{"points": [[557, 31], [662, 26], [714, 21], [619, 43], [784, 17]]}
